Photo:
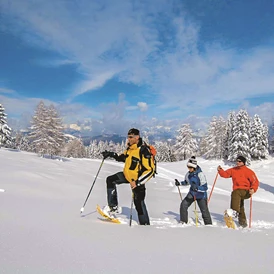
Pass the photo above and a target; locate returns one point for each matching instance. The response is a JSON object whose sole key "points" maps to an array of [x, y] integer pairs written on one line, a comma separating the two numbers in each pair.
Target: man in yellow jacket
{"points": [[138, 169]]}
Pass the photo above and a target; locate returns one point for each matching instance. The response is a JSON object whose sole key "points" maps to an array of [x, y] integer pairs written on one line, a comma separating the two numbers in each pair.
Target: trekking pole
{"points": [[179, 190], [131, 209], [195, 211], [250, 212], [212, 187], [180, 193], [82, 209]]}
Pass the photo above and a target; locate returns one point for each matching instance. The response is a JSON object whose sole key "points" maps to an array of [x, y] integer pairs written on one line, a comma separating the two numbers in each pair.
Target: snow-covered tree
{"points": [[203, 146], [185, 145], [164, 152], [258, 139], [120, 147], [265, 142], [111, 146], [214, 141], [271, 140], [46, 130], [5, 130], [240, 144], [22, 142], [75, 149], [55, 133], [93, 150], [230, 124], [38, 134]]}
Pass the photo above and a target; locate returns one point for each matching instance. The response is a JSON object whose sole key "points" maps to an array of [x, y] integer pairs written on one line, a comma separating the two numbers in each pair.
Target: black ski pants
{"points": [[139, 194], [202, 203]]}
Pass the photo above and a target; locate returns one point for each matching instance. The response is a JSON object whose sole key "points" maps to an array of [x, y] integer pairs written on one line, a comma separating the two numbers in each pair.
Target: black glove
{"points": [[106, 154], [194, 187], [177, 183]]}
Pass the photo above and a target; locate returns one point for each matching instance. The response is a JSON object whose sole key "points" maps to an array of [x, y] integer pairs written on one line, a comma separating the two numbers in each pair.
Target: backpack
{"points": [[150, 152]]}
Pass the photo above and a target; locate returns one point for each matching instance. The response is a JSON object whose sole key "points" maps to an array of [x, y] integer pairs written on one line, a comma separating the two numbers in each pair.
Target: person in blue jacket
{"points": [[198, 191]]}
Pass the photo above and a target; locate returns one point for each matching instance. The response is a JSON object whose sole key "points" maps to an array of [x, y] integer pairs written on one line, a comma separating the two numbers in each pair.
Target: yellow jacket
{"points": [[137, 167]]}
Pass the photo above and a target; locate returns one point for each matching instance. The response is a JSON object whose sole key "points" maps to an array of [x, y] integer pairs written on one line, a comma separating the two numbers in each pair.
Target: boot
{"points": [[143, 220]]}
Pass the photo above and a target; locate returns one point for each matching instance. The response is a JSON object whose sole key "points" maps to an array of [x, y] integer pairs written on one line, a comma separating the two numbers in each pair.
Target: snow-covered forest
{"points": [[224, 139]]}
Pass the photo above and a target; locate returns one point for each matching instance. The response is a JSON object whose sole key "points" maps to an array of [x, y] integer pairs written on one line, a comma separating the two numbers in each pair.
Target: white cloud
{"points": [[54, 62], [105, 39], [93, 83], [144, 43], [142, 106], [16, 106]]}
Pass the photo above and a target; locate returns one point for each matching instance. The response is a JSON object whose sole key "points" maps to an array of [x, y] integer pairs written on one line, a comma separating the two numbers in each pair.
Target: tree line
{"points": [[240, 134]]}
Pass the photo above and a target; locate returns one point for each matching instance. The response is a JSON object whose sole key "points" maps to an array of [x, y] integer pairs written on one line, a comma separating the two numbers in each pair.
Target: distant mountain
{"points": [[153, 133]]}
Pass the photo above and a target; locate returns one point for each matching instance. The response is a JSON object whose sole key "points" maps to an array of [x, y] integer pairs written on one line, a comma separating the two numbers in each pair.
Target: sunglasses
{"points": [[130, 136], [239, 161]]}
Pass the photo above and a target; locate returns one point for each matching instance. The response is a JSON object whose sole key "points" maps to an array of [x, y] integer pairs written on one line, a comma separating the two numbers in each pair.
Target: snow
{"points": [[42, 230]]}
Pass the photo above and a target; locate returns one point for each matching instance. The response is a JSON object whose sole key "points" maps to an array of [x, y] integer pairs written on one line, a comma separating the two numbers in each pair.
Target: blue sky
{"points": [[120, 62]]}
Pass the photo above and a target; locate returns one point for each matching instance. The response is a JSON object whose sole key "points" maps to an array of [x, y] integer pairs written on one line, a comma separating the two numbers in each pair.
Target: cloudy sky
{"points": [[125, 60]]}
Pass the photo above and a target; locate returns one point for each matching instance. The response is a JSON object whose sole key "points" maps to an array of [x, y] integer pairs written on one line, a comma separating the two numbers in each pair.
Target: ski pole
{"points": [[195, 211], [179, 190], [250, 212], [82, 209], [131, 209], [212, 187], [180, 193]]}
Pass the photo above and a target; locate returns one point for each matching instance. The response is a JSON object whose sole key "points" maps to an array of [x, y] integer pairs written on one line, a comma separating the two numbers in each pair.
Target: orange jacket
{"points": [[242, 177]]}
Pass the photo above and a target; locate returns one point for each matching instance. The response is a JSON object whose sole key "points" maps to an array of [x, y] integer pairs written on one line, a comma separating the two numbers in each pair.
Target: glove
{"points": [[177, 183], [106, 154], [194, 187]]}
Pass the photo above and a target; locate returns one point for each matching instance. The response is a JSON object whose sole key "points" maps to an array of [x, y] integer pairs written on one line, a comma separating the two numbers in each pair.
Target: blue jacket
{"points": [[196, 180]]}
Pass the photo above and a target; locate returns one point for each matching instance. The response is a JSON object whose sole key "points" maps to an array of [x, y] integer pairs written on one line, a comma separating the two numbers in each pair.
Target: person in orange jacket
{"points": [[245, 184]]}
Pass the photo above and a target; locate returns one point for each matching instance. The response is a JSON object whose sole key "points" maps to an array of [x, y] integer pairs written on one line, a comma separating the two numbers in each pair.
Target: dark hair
{"points": [[134, 131], [241, 158]]}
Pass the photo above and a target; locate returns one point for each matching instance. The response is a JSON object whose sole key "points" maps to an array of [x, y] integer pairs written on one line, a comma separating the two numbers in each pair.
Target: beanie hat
{"points": [[242, 158], [192, 162], [134, 131]]}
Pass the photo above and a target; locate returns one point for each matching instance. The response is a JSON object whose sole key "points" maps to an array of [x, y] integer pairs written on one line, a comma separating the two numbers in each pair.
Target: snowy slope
{"points": [[42, 230]]}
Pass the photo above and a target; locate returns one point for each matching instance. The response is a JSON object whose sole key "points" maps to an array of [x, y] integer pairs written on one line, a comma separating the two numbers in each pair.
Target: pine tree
{"points": [[55, 133], [5, 130], [203, 146], [271, 141], [222, 133], [185, 145], [214, 141], [93, 150], [164, 152], [46, 130], [38, 134], [21, 142], [230, 125], [265, 143], [240, 144], [75, 149]]}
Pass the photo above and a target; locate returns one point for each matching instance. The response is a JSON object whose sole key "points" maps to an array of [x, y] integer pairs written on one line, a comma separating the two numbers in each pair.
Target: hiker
{"points": [[197, 192], [245, 184], [138, 169]]}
